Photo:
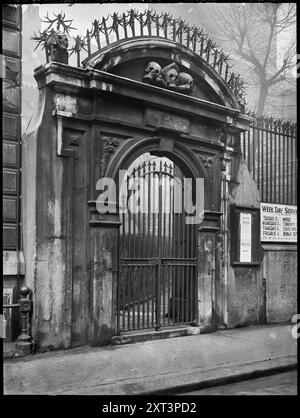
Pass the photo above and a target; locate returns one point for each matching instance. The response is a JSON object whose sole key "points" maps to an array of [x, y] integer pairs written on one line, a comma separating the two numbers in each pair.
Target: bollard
{"points": [[24, 344]]}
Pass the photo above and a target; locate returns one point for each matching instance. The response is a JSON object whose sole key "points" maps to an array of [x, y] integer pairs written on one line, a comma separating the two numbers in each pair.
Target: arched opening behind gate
{"points": [[158, 258]]}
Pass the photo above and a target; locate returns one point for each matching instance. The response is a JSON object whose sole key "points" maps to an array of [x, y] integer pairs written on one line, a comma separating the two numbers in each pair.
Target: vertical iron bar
{"points": [[267, 166], [149, 210], [147, 294], [283, 169], [154, 210], [133, 294], [271, 168], [183, 270], [157, 25], [178, 269], [124, 273], [173, 278], [188, 255], [279, 167], [138, 297], [174, 30], [128, 219], [119, 299], [153, 275], [159, 241], [116, 25], [105, 31], [141, 24], [96, 33], [188, 37], [253, 154], [164, 255], [128, 295], [180, 32], [275, 164], [134, 219], [292, 169], [149, 25], [192, 277], [288, 169], [88, 42], [295, 167], [125, 26], [144, 208], [249, 153], [262, 164], [168, 278], [78, 58], [144, 277], [144, 234], [258, 159], [139, 214], [170, 237], [173, 293]]}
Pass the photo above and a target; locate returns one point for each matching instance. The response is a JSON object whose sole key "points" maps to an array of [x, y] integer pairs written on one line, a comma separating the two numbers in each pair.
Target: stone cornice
{"points": [[73, 80]]}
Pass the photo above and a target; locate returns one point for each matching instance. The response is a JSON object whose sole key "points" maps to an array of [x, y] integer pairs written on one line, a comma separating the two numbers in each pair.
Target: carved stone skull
{"points": [[171, 77], [185, 79], [151, 72], [62, 40], [185, 82], [57, 46]]}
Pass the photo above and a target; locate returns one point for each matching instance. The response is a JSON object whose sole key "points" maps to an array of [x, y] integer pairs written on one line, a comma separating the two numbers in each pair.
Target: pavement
{"points": [[165, 366], [281, 384]]}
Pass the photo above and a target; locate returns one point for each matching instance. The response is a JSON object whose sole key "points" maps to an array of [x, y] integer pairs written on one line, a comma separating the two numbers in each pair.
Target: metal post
{"points": [[24, 343]]}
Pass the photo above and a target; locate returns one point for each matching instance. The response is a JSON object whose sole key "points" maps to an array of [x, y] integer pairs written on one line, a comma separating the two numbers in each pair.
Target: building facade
{"points": [[13, 261], [148, 104]]}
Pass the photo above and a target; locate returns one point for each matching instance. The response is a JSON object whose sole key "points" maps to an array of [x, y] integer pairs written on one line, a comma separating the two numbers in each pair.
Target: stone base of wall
{"points": [[280, 272]]}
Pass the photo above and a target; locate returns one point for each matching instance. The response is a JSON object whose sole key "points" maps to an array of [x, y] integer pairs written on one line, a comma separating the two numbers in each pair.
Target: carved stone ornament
{"points": [[110, 144], [57, 45], [168, 77], [208, 164]]}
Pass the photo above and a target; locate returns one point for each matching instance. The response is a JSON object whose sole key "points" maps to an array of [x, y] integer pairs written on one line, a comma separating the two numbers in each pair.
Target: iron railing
{"points": [[158, 263], [133, 24], [270, 151]]}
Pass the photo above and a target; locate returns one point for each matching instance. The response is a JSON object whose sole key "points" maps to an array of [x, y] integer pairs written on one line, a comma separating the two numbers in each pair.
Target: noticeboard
{"points": [[245, 245], [278, 223]]}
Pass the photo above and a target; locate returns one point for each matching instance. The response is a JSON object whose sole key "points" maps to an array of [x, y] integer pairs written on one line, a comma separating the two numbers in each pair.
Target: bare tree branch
{"points": [[253, 30]]}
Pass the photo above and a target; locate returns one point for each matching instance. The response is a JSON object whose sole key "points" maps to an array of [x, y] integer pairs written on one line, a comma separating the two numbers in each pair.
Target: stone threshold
{"points": [[131, 337]]}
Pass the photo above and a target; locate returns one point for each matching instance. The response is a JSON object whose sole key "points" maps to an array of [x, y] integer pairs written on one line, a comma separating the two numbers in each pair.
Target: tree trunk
{"points": [[263, 92]]}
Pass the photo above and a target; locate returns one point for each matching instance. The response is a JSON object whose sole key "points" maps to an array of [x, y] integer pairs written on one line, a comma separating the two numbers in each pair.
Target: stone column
{"points": [[207, 271], [104, 271]]}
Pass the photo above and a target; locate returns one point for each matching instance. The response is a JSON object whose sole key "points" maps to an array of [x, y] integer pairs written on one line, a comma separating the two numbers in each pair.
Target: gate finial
{"points": [[55, 42]]}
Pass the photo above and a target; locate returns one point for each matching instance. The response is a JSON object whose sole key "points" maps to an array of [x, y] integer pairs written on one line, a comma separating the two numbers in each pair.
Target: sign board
{"points": [[245, 237], [278, 222], [166, 120]]}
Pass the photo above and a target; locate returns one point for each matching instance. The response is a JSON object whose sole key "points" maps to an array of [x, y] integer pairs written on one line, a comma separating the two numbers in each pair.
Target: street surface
{"points": [[279, 384], [153, 366]]}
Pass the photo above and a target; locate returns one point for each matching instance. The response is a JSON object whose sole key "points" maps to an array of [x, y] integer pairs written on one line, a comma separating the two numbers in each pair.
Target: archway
{"points": [[157, 282]]}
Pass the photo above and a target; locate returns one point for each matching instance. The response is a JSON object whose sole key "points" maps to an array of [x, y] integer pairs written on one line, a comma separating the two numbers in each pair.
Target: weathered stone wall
{"points": [[280, 272], [266, 292], [245, 301], [92, 124]]}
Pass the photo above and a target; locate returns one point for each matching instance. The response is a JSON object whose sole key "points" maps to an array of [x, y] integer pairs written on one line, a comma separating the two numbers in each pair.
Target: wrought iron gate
{"points": [[157, 275]]}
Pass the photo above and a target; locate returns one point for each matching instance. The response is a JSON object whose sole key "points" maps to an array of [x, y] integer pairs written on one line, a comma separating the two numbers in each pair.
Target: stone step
{"points": [[137, 336]]}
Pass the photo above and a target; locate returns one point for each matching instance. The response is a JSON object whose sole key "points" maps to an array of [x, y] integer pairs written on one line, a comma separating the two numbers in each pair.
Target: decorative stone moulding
{"points": [[168, 77]]}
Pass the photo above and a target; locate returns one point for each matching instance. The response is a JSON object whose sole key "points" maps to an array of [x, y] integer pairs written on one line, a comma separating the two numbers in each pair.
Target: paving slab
{"points": [[162, 366]]}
